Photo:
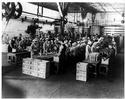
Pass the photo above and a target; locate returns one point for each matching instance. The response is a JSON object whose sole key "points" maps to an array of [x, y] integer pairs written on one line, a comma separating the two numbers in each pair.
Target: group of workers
{"points": [[69, 52], [18, 43]]}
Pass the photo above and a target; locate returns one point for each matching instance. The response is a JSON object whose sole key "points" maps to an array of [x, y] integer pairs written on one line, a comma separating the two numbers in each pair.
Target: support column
{"points": [[63, 9], [93, 20], [62, 26]]}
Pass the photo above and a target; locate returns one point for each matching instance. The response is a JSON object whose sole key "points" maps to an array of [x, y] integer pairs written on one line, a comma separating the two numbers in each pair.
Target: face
{"points": [[51, 41], [110, 46], [48, 42], [35, 42]]}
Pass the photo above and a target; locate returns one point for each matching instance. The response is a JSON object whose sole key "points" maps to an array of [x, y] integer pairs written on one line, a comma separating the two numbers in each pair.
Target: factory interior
{"points": [[63, 50]]}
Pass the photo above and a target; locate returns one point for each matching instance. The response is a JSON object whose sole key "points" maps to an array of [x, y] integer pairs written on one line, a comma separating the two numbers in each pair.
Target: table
{"points": [[48, 57], [16, 58]]}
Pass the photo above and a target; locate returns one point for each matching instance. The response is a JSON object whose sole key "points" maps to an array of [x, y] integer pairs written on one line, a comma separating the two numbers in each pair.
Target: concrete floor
{"points": [[65, 86]]}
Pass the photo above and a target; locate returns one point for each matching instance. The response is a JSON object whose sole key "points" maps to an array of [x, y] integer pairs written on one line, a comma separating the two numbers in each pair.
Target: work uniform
{"points": [[88, 51], [93, 48], [111, 62], [62, 56], [35, 48], [45, 47], [12, 44]]}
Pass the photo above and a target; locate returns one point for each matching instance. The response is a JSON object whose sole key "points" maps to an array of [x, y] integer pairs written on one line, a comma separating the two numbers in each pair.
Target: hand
{"points": [[40, 54]]}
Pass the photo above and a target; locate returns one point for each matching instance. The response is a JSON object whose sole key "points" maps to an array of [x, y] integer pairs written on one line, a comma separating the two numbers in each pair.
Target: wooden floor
{"points": [[64, 86]]}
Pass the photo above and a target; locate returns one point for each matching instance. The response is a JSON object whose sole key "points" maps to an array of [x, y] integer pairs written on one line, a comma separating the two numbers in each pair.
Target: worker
{"points": [[52, 46], [35, 48], [41, 45], [22, 45], [62, 62], [111, 62], [114, 46], [20, 37], [111, 56], [95, 46], [12, 44], [5, 38], [88, 49], [45, 46], [48, 46]]}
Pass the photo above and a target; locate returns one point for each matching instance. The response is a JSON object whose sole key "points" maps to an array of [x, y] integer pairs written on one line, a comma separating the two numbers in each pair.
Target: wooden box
{"points": [[81, 71], [36, 67]]}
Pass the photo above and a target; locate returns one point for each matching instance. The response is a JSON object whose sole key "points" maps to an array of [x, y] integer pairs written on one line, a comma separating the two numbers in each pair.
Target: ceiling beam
{"points": [[102, 7], [115, 9], [59, 9], [89, 8], [53, 5], [38, 15]]}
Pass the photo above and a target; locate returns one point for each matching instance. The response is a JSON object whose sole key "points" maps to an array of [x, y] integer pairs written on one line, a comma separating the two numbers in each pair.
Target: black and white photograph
{"points": [[62, 49]]}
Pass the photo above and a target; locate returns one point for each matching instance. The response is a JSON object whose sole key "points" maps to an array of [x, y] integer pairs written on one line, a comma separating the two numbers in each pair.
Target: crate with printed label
{"points": [[34, 73], [94, 57], [81, 71], [81, 78], [36, 67], [42, 75], [26, 71], [82, 66]]}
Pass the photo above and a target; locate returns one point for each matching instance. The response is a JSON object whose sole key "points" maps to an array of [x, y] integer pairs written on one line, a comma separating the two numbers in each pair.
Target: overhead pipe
{"points": [[38, 15], [59, 8]]}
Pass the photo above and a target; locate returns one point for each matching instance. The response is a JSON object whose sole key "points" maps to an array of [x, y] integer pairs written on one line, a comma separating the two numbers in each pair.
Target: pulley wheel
{"points": [[8, 9], [18, 10]]}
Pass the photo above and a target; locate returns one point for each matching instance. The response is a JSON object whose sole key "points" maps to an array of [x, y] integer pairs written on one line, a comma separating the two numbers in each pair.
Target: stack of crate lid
{"points": [[94, 57], [36, 67], [81, 71], [105, 62]]}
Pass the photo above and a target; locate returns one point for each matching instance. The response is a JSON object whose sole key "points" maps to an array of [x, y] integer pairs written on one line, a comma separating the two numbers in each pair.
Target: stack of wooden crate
{"points": [[36, 67]]}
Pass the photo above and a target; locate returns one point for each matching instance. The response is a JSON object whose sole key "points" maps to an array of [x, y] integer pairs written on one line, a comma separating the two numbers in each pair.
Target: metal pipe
{"points": [[38, 15], [59, 8]]}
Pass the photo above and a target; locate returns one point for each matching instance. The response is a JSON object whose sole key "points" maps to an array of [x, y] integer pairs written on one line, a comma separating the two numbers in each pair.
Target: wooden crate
{"points": [[82, 66], [94, 57], [36, 67], [81, 71]]}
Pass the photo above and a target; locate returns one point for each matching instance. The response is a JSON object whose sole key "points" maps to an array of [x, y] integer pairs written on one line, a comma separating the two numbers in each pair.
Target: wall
{"points": [[15, 27], [104, 19]]}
